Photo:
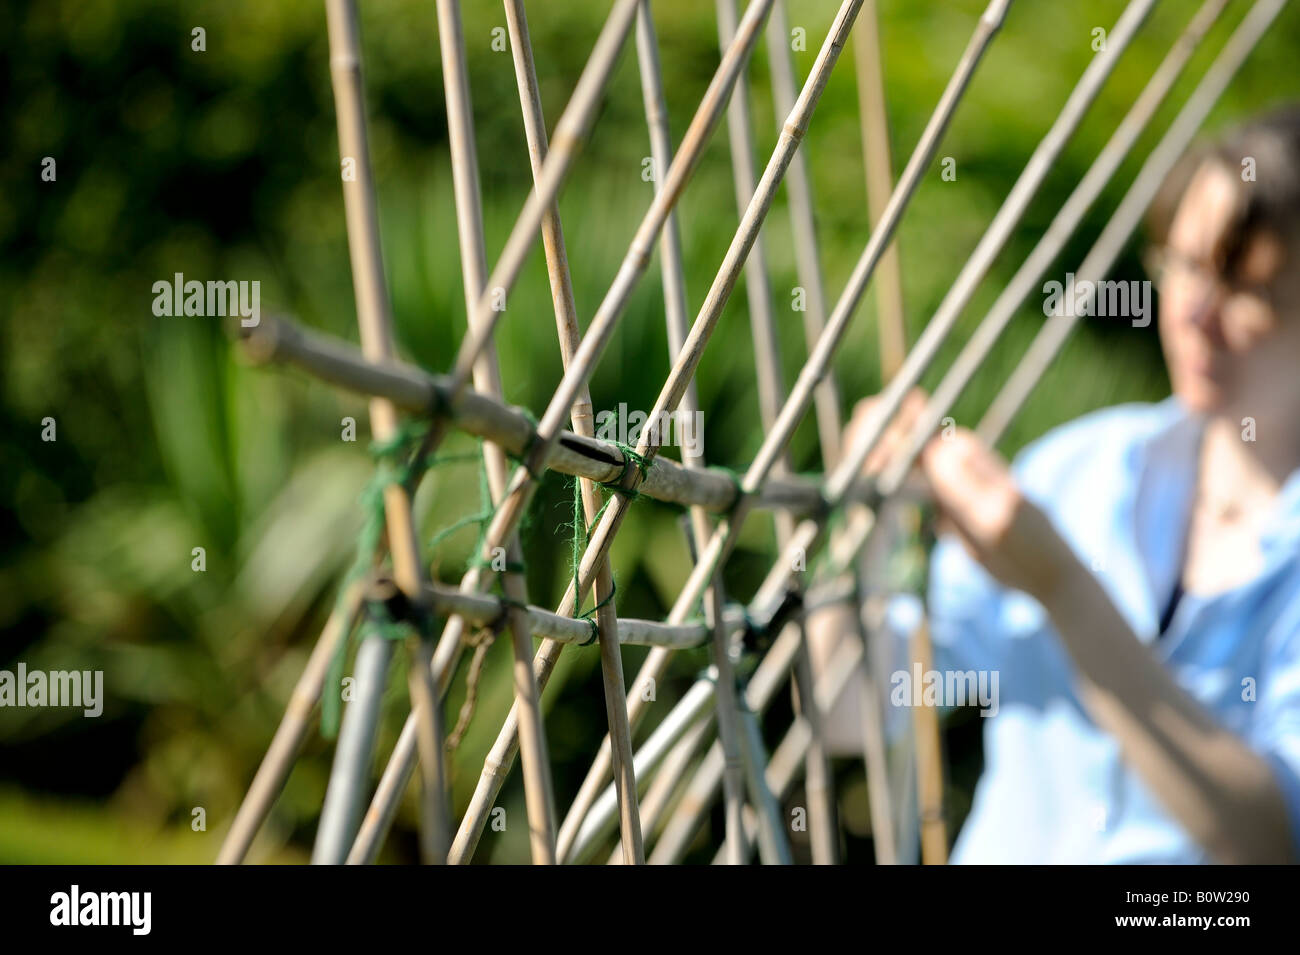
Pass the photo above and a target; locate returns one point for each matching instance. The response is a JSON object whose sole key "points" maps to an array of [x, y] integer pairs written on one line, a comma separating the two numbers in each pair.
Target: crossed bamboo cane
{"points": [[840, 483]]}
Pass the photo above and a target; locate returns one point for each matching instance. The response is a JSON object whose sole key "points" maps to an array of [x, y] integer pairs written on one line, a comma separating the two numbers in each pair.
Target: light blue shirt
{"points": [[1118, 484]]}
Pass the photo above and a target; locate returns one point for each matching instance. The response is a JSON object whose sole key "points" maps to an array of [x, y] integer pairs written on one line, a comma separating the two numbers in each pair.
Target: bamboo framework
{"points": [[646, 802]]}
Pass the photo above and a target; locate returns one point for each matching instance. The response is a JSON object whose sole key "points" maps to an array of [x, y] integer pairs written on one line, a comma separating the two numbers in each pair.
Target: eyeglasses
{"points": [[1168, 266]]}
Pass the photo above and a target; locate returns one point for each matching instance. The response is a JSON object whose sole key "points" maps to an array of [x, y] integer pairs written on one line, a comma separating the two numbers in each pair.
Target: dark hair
{"points": [[1270, 201]]}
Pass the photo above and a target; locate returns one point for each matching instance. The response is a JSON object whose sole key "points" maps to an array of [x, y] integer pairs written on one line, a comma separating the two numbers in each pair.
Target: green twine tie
{"points": [[392, 467], [581, 535]]}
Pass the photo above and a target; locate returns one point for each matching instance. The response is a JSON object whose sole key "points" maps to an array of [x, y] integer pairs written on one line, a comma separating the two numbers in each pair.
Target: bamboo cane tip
{"points": [[260, 343], [996, 13]]}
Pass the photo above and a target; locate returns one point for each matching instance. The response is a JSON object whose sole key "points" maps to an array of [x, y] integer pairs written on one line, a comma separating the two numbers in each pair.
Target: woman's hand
{"points": [[1010, 536]]}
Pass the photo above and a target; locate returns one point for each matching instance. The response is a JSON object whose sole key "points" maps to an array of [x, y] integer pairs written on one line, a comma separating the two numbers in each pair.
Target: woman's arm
{"points": [[1221, 790]]}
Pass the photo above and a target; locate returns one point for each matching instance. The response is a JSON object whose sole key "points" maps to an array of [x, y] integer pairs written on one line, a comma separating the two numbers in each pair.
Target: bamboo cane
{"points": [[283, 752], [343, 794], [774, 847], [875, 149], [892, 328], [929, 767], [375, 320], [566, 321], [685, 819], [484, 610], [767, 366], [875, 757], [659, 795], [803, 224], [539, 796]]}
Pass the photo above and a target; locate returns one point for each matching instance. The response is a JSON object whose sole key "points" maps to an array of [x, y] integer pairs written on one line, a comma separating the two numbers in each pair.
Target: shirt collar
{"points": [[1166, 468]]}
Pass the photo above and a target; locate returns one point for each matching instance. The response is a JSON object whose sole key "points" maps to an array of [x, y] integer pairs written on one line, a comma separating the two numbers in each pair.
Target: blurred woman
{"points": [[1134, 578]]}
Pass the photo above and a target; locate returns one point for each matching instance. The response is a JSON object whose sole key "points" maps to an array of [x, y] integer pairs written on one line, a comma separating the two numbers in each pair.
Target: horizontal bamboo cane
{"points": [[413, 389], [486, 610]]}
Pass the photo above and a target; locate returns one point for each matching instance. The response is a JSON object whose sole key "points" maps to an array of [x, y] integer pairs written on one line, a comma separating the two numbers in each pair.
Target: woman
{"points": [[1134, 579]]}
